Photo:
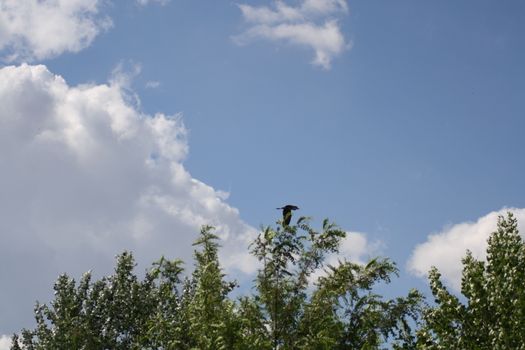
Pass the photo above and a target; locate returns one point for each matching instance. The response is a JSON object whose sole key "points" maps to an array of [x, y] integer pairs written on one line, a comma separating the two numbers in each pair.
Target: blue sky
{"points": [[410, 124]]}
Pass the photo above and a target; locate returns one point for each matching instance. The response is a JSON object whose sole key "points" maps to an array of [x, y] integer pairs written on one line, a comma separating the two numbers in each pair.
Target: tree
{"points": [[492, 315], [111, 313], [287, 310], [162, 311], [339, 311], [211, 324]]}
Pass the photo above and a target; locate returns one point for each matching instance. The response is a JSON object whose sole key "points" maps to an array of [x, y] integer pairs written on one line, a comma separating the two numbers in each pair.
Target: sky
{"points": [[129, 124]]}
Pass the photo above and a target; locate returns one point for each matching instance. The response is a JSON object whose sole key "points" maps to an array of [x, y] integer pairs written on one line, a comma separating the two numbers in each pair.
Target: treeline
{"points": [[167, 309]]}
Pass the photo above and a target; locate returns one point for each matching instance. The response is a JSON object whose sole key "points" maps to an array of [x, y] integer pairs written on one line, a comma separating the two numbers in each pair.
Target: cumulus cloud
{"points": [[86, 175], [5, 342], [35, 29], [152, 84], [445, 249], [312, 24], [147, 2], [124, 73], [355, 247]]}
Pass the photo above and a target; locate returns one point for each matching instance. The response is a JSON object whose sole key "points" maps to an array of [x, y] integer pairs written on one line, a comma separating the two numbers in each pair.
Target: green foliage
{"points": [[288, 309], [353, 317], [493, 316], [210, 313], [162, 311], [111, 313], [340, 311]]}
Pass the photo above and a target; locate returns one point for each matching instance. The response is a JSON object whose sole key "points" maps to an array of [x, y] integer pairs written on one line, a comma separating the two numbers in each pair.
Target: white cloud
{"points": [[147, 2], [124, 73], [445, 249], [5, 342], [35, 29], [152, 84], [86, 175], [310, 24], [356, 248], [324, 7]]}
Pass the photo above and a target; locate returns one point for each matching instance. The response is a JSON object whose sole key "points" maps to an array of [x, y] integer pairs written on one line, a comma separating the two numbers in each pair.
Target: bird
{"points": [[287, 213]]}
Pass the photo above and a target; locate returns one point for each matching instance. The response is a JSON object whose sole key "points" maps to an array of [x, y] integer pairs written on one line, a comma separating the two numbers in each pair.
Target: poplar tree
{"points": [[491, 312]]}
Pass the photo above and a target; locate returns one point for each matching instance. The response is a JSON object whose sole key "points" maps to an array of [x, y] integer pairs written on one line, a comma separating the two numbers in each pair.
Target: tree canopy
{"points": [[491, 313], [290, 305]]}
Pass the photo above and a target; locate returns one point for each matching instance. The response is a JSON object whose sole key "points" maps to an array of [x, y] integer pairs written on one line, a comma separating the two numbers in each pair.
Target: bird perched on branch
{"points": [[287, 213]]}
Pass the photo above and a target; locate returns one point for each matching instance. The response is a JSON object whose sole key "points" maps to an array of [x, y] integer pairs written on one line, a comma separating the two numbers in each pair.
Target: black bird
{"points": [[287, 213]]}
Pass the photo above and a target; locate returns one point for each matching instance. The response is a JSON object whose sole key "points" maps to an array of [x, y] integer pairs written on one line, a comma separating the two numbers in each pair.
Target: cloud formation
{"points": [[86, 175], [5, 342], [312, 24], [356, 248], [147, 2], [445, 249], [34, 29], [152, 84]]}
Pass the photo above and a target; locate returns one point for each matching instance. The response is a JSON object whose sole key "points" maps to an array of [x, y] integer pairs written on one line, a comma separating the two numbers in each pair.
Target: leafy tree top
{"points": [[493, 314]]}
